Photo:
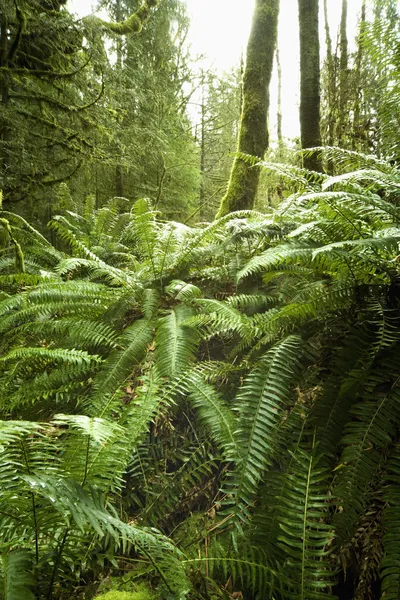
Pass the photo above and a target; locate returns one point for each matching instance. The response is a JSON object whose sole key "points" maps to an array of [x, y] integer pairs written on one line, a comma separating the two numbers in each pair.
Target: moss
{"points": [[142, 594], [134, 23], [131, 25]]}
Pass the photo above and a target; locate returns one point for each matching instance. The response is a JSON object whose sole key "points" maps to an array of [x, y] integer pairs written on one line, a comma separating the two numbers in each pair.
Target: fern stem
{"points": [[35, 523], [57, 564], [86, 461], [306, 500]]}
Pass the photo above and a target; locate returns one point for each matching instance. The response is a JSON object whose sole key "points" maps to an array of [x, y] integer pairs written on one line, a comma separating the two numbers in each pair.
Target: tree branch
{"points": [[132, 24]]}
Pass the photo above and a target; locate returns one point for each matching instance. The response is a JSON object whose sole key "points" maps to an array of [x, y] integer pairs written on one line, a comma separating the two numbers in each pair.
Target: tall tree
{"points": [[310, 80], [329, 83], [344, 74], [358, 134], [51, 86], [279, 112], [218, 133], [253, 135], [146, 141]]}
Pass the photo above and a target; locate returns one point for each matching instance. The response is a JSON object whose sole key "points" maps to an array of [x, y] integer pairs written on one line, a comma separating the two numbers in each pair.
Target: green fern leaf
{"points": [[120, 364], [18, 579], [261, 404], [176, 343], [306, 537], [390, 572]]}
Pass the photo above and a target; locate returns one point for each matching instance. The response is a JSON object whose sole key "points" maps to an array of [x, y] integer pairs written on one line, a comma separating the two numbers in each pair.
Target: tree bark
{"points": [[331, 79], [279, 112], [119, 173], [358, 136], [202, 151], [4, 94], [310, 100], [344, 75], [253, 135]]}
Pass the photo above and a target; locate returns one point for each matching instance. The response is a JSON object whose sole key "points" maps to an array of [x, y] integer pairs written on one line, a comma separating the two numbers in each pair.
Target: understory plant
{"points": [[214, 409]]}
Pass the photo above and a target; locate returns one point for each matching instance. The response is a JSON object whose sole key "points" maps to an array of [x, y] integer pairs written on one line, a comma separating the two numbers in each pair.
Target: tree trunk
{"points": [[253, 135], [202, 152], [4, 96], [119, 173], [310, 100], [344, 75], [279, 113], [358, 136], [331, 80]]}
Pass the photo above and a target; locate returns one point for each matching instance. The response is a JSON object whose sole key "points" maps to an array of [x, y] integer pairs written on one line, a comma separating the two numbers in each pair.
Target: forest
{"points": [[199, 316]]}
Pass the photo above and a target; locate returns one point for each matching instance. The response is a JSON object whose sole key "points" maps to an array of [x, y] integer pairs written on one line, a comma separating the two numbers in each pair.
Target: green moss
{"points": [[134, 23], [116, 595], [131, 25], [141, 592], [242, 188]]}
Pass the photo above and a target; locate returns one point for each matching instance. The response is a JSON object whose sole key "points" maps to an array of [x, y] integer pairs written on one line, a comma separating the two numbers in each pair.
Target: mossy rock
{"points": [[140, 594]]}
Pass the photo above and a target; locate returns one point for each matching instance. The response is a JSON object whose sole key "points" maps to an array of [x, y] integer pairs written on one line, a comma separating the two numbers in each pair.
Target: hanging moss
{"points": [[134, 23], [253, 135]]}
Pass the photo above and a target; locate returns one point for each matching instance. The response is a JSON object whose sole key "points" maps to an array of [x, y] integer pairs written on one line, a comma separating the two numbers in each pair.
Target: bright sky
{"points": [[220, 28]]}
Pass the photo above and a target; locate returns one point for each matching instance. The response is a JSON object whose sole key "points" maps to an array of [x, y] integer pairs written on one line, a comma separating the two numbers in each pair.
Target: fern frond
{"points": [[120, 364], [18, 579], [214, 412], [176, 343], [366, 437], [88, 512], [390, 573], [306, 536], [220, 317], [247, 567], [185, 292], [261, 404], [93, 451]]}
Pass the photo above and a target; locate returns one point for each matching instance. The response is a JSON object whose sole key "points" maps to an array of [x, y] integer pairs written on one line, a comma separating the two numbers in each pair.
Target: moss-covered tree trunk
{"points": [[4, 92], [119, 172], [359, 138], [331, 80], [253, 135], [310, 76], [344, 76]]}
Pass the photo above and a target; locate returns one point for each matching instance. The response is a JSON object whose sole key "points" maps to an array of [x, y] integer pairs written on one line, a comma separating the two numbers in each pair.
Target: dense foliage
{"points": [[196, 409], [233, 385]]}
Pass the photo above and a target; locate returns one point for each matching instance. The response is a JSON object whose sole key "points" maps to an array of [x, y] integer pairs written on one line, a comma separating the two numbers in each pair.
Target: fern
{"points": [[120, 364], [389, 565], [365, 439], [261, 404], [176, 342], [18, 580], [306, 537]]}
